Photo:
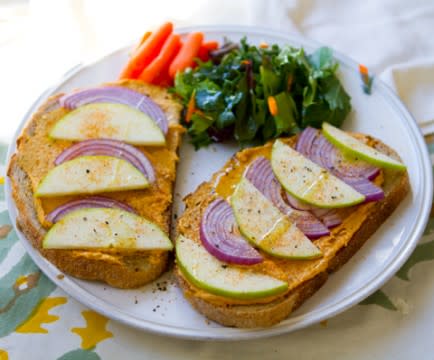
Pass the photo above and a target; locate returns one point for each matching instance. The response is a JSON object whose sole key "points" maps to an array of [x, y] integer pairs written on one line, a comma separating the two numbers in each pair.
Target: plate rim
{"points": [[70, 287]]}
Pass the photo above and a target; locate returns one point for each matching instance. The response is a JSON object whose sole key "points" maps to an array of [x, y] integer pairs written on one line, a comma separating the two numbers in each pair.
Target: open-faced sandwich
{"points": [[92, 179], [265, 232]]}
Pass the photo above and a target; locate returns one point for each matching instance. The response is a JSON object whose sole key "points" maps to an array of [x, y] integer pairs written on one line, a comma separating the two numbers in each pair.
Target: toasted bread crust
{"points": [[119, 269], [396, 187]]}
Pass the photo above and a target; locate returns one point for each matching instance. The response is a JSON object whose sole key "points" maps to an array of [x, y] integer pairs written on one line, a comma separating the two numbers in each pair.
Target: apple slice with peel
{"points": [[108, 121], [309, 182], [206, 272], [90, 175], [266, 227], [356, 148], [102, 228]]}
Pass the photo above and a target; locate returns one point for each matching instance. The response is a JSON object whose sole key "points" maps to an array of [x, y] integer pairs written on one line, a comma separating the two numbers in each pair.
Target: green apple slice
{"points": [[102, 228], [90, 175], [356, 148], [108, 121], [309, 182], [266, 227], [206, 272]]}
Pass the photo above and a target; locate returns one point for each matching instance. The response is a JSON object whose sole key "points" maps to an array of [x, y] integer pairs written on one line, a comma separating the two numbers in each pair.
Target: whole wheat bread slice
{"points": [[117, 268], [267, 313]]}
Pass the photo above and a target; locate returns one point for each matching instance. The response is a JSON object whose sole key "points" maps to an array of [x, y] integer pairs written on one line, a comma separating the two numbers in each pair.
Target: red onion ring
{"points": [[219, 235], [261, 175], [356, 173], [118, 95], [329, 217], [89, 202], [109, 147]]}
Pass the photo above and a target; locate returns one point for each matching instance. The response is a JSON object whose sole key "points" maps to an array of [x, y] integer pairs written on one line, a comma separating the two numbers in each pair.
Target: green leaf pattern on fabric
{"points": [[423, 252], [17, 302], [11, 238], [80, 354], [381, 299]]}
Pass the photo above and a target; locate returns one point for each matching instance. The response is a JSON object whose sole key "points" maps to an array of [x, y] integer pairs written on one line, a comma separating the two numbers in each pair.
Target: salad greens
{"points": [[231, 99]]}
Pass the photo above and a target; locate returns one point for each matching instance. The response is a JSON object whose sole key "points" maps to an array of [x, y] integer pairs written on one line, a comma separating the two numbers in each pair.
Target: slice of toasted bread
{"points": [[34, 157], [304, 277]]}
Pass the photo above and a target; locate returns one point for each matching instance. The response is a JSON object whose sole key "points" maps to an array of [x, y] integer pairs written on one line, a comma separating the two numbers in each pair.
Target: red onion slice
{"points": [[109, 147], [117, 95], [89, 202], [297, 204], [356, 173], [261, 175], [329, 217], [371, 191], [219, 235]]}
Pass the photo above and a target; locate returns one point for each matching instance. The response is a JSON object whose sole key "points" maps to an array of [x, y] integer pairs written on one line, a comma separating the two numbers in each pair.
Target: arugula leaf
{"points": [[270, 81], [210, 100], [245, 126], [225, 119], [285, 119], [322, 59], [334, 93], [317, 113], [231, 97]]}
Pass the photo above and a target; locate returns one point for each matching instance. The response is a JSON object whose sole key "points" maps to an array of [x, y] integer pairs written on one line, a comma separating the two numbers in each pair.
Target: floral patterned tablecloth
{"points": [[39, 321]]}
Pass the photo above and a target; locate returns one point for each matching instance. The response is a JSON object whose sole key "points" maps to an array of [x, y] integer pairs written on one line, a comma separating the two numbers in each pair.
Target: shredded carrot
{"points": [[263, 45], [191, 107], [272, 106], [363, 69], [146, 52], [187, 54], [289, 84], [245, 62], [162, 61]]}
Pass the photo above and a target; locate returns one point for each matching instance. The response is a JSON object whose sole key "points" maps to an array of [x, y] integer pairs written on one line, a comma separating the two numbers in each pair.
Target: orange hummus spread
{"points": [[38, 152], [294, 272]]}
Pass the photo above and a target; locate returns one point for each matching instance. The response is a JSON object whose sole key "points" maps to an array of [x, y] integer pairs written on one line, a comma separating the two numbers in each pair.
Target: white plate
{"points": [[167, 312]]}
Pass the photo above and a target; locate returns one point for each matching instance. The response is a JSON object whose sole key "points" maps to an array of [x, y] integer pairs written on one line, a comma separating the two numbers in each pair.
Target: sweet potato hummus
{"points": [[295, 272], [37, 153]]}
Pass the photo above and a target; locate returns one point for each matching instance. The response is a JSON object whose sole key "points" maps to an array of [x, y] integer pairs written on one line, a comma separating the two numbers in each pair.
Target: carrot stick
{"points": [[186, 55], [206, 48], [163, 60], [191, 107], [142, 40], [146, 52], [163, 79], [272, 105]]}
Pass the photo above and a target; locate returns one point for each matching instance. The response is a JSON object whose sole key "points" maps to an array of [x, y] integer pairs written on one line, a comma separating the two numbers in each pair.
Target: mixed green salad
{"points": [[256, 93]]}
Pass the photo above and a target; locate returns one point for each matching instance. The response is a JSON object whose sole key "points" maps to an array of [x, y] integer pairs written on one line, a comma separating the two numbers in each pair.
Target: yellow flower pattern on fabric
{"points": [[34, 323], [94, 331], [4, 355]]}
